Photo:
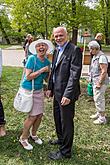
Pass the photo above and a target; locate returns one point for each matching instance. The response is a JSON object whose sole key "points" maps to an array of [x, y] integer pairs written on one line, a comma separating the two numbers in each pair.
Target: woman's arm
{"points": [[103, 74], [31, 75]]}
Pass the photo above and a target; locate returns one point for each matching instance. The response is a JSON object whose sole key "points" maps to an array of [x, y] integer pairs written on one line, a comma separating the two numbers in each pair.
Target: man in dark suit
{"points": [[64, 85]]}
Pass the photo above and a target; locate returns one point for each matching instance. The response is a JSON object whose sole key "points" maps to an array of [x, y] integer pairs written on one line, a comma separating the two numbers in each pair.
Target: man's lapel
{"points": [[55, 58]]}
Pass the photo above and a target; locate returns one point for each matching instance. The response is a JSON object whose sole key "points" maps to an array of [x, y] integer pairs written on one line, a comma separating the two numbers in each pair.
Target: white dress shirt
{"points": [[61, 50]]}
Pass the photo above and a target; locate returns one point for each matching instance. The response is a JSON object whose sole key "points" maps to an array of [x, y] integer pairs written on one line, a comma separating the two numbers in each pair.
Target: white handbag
{"points": [[23, 100]]}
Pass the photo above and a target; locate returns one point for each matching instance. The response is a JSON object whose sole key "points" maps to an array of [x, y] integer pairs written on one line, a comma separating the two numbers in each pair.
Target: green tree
{"points": [[4, 24], [38, 17], [105, 8]]}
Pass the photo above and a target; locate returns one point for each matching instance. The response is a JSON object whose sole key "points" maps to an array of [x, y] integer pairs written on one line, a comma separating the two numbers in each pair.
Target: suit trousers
{"points": [[2, 120], [64, 123]]}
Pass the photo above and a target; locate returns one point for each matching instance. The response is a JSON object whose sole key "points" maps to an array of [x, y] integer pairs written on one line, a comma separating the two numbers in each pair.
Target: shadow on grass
{"points": [[10, 149]]}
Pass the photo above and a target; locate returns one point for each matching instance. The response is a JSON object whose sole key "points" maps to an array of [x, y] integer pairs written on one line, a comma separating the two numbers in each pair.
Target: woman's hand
{"points": [[31, 75], [98, 85], [44, 69], [49, 93]]}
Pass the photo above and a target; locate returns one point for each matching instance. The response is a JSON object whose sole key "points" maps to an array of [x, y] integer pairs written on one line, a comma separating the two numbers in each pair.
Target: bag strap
{"points": [[32, 71]]}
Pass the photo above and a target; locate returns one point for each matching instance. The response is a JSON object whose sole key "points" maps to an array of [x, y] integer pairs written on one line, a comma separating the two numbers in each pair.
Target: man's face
{"points": [[60, 36]]}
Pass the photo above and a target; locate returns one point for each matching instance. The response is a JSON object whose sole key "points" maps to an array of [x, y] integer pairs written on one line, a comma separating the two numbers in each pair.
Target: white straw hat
{"points": [[32, 46]]}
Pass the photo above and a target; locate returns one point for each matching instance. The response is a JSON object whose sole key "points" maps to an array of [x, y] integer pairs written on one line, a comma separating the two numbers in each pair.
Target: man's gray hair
{"points": [[61, 28], [93, 44]]}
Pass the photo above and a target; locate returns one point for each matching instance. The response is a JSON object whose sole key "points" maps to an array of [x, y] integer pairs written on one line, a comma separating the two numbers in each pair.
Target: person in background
{"points": [[25, 42], [2, 117], [37, 68], [99, 78], [98, 38], [64, 85], [28, 41]]}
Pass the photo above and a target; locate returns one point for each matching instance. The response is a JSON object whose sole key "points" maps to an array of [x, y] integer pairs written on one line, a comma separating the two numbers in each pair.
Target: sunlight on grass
{"points": [[4, 46], [91, 143]]}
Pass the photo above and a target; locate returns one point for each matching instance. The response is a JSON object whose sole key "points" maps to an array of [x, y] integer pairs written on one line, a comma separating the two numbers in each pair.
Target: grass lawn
{"points": [[91, 143], [18, 47], [106, 48], [4, 46]]}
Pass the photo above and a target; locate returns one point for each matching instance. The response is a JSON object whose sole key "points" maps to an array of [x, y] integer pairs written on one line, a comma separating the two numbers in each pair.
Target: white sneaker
{"points": [[95, 116], [100, 120], [26, 145], [36, 139]]}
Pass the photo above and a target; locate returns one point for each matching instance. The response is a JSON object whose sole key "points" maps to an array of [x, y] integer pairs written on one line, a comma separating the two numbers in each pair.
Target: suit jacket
{"points": [[67, 73]]}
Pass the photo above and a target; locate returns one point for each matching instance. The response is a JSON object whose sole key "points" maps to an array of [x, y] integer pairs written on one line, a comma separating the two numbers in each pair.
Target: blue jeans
{"points": [[2, 120]]}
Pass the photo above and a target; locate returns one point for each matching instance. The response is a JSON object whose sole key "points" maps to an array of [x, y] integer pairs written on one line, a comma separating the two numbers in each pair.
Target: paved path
{"points": [[14, 47], [14, 56]]}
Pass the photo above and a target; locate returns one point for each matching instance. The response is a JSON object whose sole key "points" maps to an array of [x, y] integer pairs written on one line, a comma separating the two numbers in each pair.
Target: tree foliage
{"points": [[105, 9], [38, 17], [5, 27]]}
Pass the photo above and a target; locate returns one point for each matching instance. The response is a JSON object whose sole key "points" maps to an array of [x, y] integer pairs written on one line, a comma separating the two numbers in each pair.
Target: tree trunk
{"points": [[4, 33], [74, 35], [106, 23], [105, 18], [43, 35], [46, 27], [19, 37], [74, 28], [106, 33]]}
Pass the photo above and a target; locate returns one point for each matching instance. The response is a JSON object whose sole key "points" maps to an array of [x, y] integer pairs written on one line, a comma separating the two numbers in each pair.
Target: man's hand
{"points": [[65, 101]]}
